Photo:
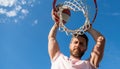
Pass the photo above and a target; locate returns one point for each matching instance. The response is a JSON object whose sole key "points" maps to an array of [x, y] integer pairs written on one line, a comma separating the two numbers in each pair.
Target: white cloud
{"points": [[23, 2], [2, 11], [6, 3], [11, 13], [15, 9], [112, 14], [35, 22], [18, 8], [24, 11], [8, 13], [15, 20], [116, 14]]}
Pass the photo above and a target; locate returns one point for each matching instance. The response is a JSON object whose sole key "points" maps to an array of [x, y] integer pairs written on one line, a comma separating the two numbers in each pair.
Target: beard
{"points": [[77, 53]]}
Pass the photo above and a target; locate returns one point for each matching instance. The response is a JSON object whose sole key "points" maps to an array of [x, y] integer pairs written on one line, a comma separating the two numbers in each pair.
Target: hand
{"points": [[55, 16], [87, 27], [65, 15]]}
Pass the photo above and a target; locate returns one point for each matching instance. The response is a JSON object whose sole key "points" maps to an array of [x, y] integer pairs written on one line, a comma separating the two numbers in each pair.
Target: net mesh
{"points": [[76, 6]]}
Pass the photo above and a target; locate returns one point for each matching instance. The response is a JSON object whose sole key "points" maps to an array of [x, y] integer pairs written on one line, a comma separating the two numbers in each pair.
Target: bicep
{"points": [[53, 47]]}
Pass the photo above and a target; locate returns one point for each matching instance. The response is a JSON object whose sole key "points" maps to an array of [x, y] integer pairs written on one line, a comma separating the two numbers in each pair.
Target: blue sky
{"points": [[24, 27]]}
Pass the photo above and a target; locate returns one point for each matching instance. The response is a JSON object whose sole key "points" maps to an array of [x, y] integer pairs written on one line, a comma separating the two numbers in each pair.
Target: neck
{"points": [[74, 58]]}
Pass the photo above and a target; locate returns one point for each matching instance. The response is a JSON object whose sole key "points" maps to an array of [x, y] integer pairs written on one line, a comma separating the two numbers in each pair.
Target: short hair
{"points": [[83, 35]]}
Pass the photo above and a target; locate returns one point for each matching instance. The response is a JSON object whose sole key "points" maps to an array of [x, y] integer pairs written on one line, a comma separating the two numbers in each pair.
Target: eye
{"points": [[81, 43], [75, 42]]}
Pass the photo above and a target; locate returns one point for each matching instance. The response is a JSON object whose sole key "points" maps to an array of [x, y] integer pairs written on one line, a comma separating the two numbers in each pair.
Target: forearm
{"points": [[53, 47], [99, 39], [53, 31], [96, 35], [98, 50]]}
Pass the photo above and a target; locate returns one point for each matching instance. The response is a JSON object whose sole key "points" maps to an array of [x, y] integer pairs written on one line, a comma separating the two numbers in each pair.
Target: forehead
{"points": [[78, 39]]}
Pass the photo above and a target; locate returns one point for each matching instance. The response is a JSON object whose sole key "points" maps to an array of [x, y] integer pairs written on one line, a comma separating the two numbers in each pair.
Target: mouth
{"points": [[76, 50]]}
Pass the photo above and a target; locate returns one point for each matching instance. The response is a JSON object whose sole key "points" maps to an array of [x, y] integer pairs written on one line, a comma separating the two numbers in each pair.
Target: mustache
{"points": [[76, 52], [76, 48]]}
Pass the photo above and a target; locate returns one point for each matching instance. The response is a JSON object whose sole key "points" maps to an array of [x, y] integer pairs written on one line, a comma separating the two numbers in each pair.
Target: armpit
{"points": [[56, 56]]}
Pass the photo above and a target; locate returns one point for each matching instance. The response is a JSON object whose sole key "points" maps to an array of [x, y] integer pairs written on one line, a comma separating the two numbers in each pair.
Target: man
{"points": [[78, 46]]}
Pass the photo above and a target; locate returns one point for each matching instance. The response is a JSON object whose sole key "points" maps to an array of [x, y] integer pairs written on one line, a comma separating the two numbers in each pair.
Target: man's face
{"points": [[78, 46]]}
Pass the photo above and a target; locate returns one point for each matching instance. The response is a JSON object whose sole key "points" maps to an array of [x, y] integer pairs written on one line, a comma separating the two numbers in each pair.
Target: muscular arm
{"points": [[98, 50], [52, 42]]}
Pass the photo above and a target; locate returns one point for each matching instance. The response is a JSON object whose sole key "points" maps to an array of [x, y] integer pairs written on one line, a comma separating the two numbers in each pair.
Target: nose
{"points": [[77, 45]]}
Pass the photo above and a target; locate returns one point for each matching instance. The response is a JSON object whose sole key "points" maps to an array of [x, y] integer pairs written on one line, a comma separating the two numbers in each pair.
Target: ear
{"points": [[70, 44]]}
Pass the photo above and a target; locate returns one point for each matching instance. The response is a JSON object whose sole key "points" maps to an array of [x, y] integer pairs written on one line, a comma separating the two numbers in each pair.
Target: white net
{"points": [[76, 6], [87, 10]]}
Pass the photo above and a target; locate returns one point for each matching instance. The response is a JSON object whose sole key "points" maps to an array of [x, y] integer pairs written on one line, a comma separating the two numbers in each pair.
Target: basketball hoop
{"points": [[76, 6]]}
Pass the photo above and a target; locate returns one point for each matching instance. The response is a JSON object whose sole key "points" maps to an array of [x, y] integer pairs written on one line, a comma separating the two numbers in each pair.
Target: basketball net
{"points": [[76, 6]]}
